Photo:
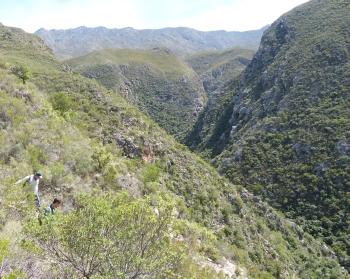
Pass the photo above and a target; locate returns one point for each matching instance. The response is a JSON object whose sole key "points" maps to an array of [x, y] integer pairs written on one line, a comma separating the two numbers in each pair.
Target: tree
{"points": [[22, 72], [112, 236]]}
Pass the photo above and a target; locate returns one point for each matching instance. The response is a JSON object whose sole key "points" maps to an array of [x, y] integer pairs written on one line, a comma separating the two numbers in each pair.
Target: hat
{"points": [[38, 174]]}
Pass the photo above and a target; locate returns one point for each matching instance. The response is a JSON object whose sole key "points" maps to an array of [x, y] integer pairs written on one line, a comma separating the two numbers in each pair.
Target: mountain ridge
{"points": [[69, 43]]}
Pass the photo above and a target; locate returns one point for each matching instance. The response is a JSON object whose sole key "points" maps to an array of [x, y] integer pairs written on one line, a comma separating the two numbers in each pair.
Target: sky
{"points": [[204, 15]]}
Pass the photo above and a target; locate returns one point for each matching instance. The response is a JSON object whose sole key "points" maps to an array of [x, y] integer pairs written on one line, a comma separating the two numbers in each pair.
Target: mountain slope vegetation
{"points": [[86, 139], [182, 41], [156, 81], [284, 131], [216, 68]]}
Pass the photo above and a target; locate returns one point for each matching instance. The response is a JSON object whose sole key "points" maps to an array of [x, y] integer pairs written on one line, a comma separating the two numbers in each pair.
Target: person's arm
{"points": [[23, 180]]}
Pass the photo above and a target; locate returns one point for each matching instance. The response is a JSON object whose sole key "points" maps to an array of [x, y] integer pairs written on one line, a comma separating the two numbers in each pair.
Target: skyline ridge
{"points": [[230, 15], [142, 29]]}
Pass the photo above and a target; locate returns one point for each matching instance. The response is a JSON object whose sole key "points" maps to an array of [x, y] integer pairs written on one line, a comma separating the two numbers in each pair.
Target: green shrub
{"points": [[37, 156], [101, 158], [61, 102], [110, 174], [57, 174], [151, 173]]}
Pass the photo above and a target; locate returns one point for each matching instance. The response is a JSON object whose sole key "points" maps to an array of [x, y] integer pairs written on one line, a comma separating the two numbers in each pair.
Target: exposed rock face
{"points": [[136, 148], [130, 149], [227, 268], [343, 148], [131, 184]]}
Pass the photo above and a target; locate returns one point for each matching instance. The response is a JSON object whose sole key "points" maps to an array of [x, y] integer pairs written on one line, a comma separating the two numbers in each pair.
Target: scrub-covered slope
{"points": [[84, 138], [156, 81], [218, 67], [216, 70], [284, 133]]}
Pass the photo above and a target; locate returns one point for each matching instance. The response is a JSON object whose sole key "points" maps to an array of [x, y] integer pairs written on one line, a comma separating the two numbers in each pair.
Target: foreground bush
{"points": [[111, 236]]}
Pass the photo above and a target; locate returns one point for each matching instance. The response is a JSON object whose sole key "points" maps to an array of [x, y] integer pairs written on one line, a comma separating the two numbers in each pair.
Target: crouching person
{"points": [[49, 212]]}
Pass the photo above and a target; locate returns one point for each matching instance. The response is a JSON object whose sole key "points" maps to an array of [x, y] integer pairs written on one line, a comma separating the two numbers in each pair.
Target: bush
{"points": [[151, 173], [113, 236], [61, 102]]}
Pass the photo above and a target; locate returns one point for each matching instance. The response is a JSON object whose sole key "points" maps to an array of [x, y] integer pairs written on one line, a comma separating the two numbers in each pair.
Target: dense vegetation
{"points": [[87, 140], [284, 130], [216, 68], [156, 81]]}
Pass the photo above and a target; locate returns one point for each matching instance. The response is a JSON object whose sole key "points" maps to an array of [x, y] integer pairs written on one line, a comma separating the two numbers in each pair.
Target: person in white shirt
{"points": [[33, 182]]}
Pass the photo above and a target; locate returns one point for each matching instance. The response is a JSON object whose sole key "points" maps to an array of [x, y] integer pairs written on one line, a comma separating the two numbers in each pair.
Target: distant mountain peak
{"points": [[180, 40]]}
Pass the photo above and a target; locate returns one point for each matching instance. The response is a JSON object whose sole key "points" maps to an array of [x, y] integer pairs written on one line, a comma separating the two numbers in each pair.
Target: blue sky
{"points": [[204, 15]]}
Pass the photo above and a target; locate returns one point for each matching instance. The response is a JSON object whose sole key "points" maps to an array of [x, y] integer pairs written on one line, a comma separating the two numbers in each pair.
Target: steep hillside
{"points": [[284, 133], [82, 40], [25, 48], [215, 68], [86, 139], [156, 81]]}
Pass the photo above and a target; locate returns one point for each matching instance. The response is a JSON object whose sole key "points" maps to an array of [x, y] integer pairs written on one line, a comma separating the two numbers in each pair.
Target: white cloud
{"points": [[62, 14], [109, 13], [241, 15]]}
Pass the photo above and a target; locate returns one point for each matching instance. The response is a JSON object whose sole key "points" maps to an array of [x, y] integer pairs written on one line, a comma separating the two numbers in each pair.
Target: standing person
{"points": [[33, 182]]}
